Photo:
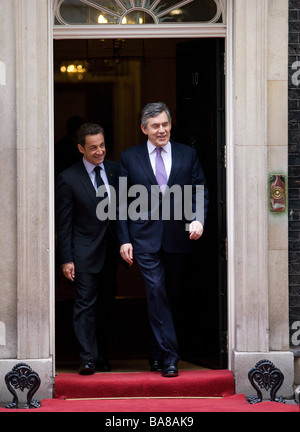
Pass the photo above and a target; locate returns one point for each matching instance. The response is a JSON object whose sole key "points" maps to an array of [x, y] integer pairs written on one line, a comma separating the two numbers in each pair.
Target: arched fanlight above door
{"points": [[139, 12]]}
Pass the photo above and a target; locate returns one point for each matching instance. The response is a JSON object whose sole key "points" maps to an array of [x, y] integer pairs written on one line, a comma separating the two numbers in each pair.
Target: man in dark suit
{"points": [[160, 242], [87, 246]]}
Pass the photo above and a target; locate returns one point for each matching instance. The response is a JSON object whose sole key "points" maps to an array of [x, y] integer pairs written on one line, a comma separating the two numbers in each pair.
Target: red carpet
{"points": [[147, 392], [145, 384], [233, 404]]}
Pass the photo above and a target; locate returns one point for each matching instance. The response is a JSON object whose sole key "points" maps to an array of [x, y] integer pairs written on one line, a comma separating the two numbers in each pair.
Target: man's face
{"points": [[94, 150], [158, 130]]}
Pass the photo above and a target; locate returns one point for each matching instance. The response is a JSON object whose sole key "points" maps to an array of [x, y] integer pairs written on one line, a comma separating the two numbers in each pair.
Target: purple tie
{"points": [[160, 170]]}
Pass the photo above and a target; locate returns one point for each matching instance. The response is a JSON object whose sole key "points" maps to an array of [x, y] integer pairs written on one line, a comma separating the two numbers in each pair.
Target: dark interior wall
{"points": [[93, 98]]}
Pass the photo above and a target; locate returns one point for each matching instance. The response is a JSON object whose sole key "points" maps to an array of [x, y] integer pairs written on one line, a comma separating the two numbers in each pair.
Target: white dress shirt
{"points": [[90, 170], [166, 155]]}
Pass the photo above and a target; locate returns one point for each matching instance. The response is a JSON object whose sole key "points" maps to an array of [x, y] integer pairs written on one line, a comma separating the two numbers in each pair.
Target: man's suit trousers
{"points": [[152, 267]]}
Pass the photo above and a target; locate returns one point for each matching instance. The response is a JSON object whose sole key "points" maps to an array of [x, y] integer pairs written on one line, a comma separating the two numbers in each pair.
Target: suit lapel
{"points": [[86, 182], [143, 157], [175, 163], [144, 160]]}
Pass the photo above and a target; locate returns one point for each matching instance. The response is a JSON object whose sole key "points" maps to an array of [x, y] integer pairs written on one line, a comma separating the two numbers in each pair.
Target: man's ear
{"points": [[144, 129], [80, 148]]}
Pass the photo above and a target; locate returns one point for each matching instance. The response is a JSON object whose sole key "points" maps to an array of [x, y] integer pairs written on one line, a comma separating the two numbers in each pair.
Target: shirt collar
{"points": [[152, 148], [89, 166]]}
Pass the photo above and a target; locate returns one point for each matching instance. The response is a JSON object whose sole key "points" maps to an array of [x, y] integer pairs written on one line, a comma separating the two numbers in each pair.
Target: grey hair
{"points": [[153, 110]]}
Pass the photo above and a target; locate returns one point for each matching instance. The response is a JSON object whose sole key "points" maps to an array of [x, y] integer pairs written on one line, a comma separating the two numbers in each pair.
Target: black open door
{"points": [[201, 124]]}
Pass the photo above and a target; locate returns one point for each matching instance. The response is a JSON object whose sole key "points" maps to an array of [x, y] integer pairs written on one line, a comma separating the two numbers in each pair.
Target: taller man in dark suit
{"points": [[160, 241], [87, 246]]}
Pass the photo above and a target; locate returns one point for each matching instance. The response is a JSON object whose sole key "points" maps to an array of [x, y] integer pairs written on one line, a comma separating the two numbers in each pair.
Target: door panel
{"points": [[200, 123]]}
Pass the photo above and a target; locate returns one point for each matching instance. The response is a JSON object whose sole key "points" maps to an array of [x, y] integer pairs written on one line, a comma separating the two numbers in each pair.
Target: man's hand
{"points": [[196, 230], [126, 251], [69, 271]]}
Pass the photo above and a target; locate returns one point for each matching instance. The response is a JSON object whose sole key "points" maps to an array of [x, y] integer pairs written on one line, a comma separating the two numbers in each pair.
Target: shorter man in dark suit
{"points": [[87, 246], [161, 244]]}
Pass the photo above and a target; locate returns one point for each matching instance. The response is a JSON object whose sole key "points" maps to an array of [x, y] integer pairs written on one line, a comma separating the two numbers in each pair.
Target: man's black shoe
{"points": [[170, 371], [87, 367], [156, 366]]}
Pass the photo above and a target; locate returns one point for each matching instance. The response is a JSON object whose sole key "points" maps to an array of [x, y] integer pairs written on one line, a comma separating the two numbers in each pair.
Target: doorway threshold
{"points": [[125, 365]]}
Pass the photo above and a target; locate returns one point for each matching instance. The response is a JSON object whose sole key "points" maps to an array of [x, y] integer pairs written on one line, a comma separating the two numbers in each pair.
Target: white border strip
{"points": [[51, 188], [230, 174], [136, 32]]}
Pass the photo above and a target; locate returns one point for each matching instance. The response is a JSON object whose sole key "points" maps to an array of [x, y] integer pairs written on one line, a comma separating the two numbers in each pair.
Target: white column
{"points": [[28, 170], [278, 163], [250, 93], [33, 178], [8, 190], [259, 123]]}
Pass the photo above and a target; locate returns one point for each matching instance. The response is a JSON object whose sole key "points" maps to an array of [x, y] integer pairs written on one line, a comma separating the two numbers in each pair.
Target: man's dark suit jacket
{"points": [[82, 238], [152, 235]]}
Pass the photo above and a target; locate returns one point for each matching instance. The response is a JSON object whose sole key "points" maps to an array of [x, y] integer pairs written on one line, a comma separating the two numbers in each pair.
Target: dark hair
{"points": [[88, 129], [153, 110]]}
